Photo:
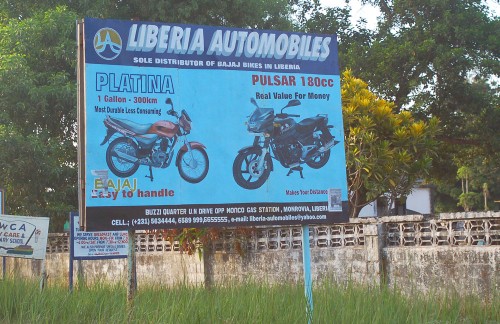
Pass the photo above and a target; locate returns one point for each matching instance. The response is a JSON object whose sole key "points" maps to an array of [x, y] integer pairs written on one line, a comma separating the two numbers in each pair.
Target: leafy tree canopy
{"points": [[38, 113], [386, 152], [433, 58], [439, 58]]}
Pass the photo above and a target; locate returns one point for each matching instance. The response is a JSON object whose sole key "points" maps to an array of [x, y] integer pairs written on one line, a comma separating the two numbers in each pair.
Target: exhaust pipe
{"points": [[328, 146]]}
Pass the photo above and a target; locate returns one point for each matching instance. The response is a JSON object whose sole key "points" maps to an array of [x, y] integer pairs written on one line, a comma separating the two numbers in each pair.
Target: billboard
{"points": [[96, 245], [200, 126], [23, 236]]}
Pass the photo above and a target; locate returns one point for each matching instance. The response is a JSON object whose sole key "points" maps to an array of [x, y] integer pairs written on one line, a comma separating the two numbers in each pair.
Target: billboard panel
{"points": [[23, 236], [96, 245], [199, 126]]}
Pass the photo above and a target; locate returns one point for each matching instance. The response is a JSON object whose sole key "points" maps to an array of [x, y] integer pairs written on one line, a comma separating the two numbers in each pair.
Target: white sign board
{"points": [[97, 245], [23, 236]]}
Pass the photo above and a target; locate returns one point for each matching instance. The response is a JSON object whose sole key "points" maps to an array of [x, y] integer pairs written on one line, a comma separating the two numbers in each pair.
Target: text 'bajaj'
{"points": [[279, 137], [153, 145]]}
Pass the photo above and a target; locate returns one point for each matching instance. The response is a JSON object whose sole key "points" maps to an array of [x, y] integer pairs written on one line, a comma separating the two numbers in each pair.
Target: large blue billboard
{"points": [[198, 126]]}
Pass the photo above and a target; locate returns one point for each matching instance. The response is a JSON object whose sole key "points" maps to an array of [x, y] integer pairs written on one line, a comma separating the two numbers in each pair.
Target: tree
{"points": [[486, 195], [312, 17], [236, 13], [38, 114], [38, 155], [435, 58], [386, 152], [439, 58], [466, 198]]}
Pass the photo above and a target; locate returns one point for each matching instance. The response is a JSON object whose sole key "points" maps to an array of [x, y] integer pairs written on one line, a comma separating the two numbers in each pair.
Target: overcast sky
{"points": [[368, 12], [371, 13]]}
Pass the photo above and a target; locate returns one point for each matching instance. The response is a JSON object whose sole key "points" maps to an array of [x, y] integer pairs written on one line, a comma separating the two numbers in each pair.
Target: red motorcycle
{"points": [[153, 145]]}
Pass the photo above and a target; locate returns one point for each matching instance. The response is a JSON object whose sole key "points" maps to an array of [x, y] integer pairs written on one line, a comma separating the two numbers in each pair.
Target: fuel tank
{"points": [[164, 128]]}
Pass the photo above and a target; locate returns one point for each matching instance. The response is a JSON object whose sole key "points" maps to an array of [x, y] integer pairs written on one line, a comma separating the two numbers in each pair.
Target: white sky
{"points": [[371, 13], [358, 11]]}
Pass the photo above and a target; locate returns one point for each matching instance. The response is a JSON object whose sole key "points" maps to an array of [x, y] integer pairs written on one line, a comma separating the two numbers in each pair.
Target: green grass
{"points": [[22, 301]]}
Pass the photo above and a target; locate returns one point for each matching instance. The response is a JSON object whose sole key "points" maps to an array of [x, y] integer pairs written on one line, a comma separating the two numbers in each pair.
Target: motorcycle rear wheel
{"points": [[119, 166], [245, 170], [322, 159], [193, 166]]}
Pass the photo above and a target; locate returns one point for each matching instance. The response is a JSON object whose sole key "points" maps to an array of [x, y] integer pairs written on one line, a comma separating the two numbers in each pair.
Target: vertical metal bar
{"points": [[306, 260], [132, 282], [43, 279], [71, 250], [81, 119], [80, 273], [2, 211]]}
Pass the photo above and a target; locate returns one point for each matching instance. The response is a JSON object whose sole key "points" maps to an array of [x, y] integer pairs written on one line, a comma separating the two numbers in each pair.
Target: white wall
{"points": [[418, 200]]}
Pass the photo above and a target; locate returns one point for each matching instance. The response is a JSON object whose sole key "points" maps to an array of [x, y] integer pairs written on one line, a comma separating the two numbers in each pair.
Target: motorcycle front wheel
{"points": [[246, 172], [320, 160], [120, 166], [193, 165]]}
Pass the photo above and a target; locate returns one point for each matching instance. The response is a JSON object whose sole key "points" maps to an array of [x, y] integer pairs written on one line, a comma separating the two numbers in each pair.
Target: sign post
{"points": [[71, 253], [93, 246], [306, 261], [2, 211], [132, 277]]}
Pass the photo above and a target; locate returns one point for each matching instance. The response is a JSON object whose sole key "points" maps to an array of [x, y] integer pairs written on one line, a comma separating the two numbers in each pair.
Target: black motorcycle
{"points": [[279, 137]]}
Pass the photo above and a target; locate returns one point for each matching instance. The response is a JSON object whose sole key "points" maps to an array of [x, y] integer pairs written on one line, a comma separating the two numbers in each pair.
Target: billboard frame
{"points": [[119, 217]]}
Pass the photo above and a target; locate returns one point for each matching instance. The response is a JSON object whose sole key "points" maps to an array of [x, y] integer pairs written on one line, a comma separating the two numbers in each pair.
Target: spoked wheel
{"points": [[320, 160], [119, 154], [246, 171], [193, 165]]}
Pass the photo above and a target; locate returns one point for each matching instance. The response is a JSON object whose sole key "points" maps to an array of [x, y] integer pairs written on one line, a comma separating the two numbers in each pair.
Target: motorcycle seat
{"points": [[137, 128], [308, 124]]}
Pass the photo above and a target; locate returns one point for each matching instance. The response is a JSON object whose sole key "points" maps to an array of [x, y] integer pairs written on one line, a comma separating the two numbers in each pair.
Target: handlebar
{"points": [[171, 111], [283, 115]]}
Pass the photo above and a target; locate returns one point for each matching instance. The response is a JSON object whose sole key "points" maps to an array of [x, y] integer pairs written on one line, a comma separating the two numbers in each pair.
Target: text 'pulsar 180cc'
{"points": [[153, 145], [280, 137]]}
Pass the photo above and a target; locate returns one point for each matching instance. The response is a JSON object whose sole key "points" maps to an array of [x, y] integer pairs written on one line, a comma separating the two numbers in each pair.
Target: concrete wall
{"points": [[286, 266], [152, 269], [455, 251], [466, 270]]}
